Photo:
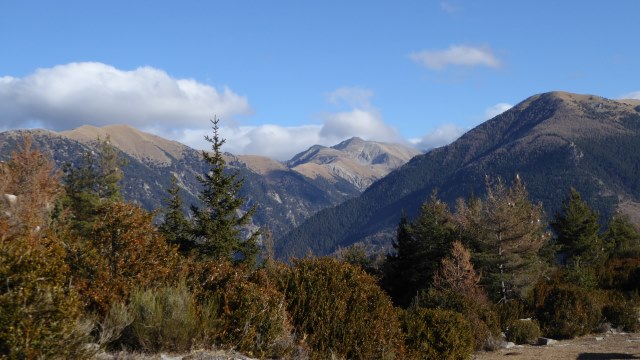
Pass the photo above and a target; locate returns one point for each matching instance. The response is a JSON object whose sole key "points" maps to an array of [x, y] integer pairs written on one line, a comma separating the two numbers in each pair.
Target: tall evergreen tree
{"points": [[219, 222], [622, 238], [577, 229], [506, 231], [419, 248], [175, 227]]}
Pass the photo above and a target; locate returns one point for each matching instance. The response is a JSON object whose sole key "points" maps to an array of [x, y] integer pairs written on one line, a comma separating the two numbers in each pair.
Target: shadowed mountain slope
{"points": [[285, 196], [553, 141]]}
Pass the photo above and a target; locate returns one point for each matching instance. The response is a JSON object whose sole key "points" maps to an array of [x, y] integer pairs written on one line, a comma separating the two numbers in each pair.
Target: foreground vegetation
{"points": [[83, 271]]}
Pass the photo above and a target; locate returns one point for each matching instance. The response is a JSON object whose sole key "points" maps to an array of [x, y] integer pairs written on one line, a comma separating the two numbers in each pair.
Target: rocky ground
{"points": [[592, 347], [607, 346]]}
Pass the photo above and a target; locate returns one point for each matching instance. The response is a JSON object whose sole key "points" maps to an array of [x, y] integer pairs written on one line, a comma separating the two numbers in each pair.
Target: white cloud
{"points": [[67, 96], [458, 55], [496, 110], [632, 95], [443, 135], [362, 119], [367, 124]]}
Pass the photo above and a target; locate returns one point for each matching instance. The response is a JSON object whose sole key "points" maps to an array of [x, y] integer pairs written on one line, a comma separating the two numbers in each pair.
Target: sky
{"points": [[285, 75]]}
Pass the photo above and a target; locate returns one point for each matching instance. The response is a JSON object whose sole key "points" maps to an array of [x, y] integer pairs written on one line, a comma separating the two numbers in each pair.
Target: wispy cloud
{"points": [[447, 133], [360, 118], [449, 7], [441, 136], [496, 110], [456, 55], [632, 95]]}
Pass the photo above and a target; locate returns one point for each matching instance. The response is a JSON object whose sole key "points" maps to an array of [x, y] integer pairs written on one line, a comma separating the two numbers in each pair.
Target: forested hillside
{"points": [[284, 195], [554, 141]]}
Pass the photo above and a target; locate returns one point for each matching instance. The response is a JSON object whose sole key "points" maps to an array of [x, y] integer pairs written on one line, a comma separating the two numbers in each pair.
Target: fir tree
{"points": [[622, 238], [176, 228], [419, 247], [219, 222], [577, 231]]}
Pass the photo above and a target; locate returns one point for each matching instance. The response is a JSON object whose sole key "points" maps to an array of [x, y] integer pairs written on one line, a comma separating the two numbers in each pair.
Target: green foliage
{"points": [[484, 321], [217, 227], [506, 230], [437, 334], [568, 311], [581, 273], [622, 315], [165, 319], [111, 326], [255, 318], [175, 227], [357, 255], [419, 247], [523, 331], [339, 310], [577, 231], [512, 310], [622, 238]]}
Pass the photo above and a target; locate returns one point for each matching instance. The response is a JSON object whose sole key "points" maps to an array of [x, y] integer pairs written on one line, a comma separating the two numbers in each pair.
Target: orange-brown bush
{"points": [[125, 252], [339, 310], [456, 274], [40, 314], [568, 311], [621, 274], [244, 308]]}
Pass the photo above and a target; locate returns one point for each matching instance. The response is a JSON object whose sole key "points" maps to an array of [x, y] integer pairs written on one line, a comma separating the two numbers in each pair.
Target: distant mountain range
{"points": [[554, 141], [286, 193]]}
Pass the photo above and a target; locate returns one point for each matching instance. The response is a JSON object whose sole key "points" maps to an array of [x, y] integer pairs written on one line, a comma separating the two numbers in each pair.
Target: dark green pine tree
{"points": [[175, 227], [622, 238], [419, 248], [577, 231], [218, 224]]}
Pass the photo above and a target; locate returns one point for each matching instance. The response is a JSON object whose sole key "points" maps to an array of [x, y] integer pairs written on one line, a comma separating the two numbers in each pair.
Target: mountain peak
{"points": [[354, 141], [138, 144]]}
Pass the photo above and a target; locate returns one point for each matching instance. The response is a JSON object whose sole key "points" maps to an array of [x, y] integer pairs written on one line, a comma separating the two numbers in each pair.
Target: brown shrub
{"points": [[339, 310]]}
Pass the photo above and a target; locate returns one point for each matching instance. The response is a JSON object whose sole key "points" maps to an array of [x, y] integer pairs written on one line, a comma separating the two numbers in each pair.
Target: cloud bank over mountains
{"points": [[67, 96]]}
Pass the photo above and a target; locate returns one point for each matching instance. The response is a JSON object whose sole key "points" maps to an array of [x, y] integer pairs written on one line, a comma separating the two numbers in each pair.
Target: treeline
{"points": [[83, 271], [494, 265]]}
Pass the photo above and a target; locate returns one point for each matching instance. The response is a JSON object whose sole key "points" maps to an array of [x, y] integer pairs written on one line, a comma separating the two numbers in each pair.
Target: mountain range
{"points": [[553, 141], [286, 192]]}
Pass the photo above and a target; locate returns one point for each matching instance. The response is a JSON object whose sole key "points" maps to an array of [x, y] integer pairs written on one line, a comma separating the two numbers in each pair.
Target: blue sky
{"points": [[284, 75]]}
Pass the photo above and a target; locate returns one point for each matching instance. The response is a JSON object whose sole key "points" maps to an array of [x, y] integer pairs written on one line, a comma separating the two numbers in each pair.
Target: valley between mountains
{"points": [[327, 198]]}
